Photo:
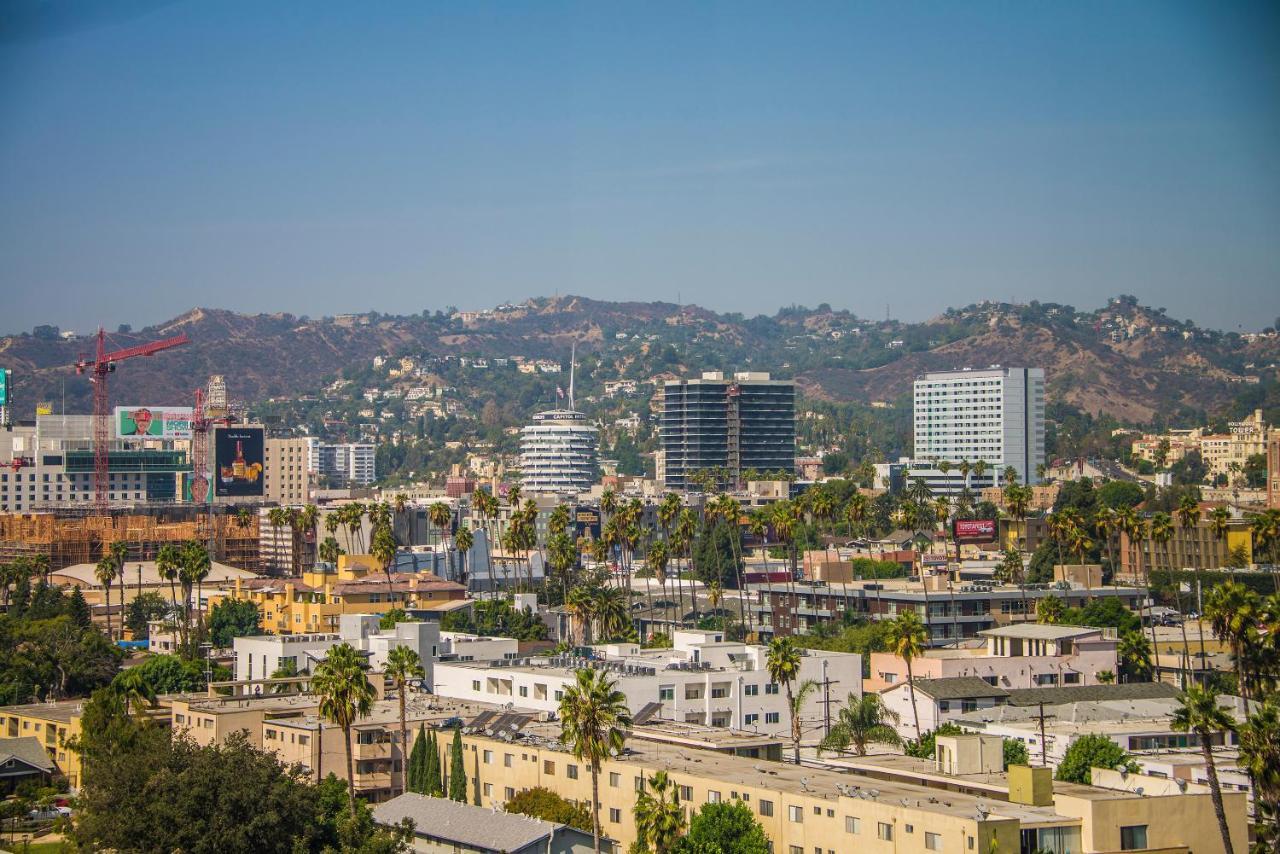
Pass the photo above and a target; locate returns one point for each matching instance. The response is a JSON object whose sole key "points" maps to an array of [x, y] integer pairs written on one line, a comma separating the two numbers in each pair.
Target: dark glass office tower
{"points": [[726, 427]]}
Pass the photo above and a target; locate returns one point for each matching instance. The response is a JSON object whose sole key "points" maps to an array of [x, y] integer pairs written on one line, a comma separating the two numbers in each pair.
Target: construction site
{"points": [[71, 537]]}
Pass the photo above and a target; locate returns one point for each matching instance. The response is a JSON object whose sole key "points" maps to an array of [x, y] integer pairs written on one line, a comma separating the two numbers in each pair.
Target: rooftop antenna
{"points": [[573, 364]]}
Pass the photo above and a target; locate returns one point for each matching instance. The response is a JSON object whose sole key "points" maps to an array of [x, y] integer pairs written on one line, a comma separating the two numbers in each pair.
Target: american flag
{"points": [[559, 392]]}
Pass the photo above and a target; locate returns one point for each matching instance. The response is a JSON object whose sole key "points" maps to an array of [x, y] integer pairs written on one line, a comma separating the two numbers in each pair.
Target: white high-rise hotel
{"points": [[994, 415]]}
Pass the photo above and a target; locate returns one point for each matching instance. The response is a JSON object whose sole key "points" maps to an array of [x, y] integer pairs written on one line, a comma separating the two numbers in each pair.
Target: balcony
{"points": [[377, 750], [370, 780]]}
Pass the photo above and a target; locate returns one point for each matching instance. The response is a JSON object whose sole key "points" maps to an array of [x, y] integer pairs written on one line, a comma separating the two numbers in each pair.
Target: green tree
{"points": [[432, 779], [416, 769], [457, 769], [170, 674], [782, 660], [547, 805], [1093, 751], [1198, 712], [659, 816], [593, 722], [863, 720], [141, 610], [230, 619], [727, 827], [345, 696], [1015, 753], [1134, 652], [925, 747]]}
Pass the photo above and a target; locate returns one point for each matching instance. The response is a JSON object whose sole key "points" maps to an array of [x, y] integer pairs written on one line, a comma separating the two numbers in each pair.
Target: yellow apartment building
{"points": [[316, 601], [54, 724]]}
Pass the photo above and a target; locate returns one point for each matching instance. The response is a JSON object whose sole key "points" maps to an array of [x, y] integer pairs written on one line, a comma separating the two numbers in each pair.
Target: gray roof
{"points": [[27, 749], [958, 688], [464, 824], [1061, 695], [1038, 631]]}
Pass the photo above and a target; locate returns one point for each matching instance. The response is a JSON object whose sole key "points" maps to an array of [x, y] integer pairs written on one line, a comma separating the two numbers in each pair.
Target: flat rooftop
{"points": [[1038, 631], [62, 710]]}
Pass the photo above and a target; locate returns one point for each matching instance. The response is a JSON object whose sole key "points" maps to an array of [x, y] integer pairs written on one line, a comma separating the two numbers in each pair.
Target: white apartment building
{"points": [[702, 679], [258, 656], [353, 463], [994, 415], [459, 646]]}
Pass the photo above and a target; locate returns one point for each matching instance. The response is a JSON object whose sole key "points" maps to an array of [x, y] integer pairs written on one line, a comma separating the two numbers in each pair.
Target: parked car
{"points": [[49, 813]]}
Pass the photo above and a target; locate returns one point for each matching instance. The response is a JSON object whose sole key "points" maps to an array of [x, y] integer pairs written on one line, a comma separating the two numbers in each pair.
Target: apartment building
{"points": [[258, 656], [349, 464], [1019, 655], [726, 426], [1196, 547], [702, 679], [951, 611], [288, 477], [806, 809], [994, 415], [53, 725], [316, 602]]}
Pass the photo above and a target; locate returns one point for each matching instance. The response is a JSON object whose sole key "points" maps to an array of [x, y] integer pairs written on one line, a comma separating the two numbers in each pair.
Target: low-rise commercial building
{"points": [[259, 656]]}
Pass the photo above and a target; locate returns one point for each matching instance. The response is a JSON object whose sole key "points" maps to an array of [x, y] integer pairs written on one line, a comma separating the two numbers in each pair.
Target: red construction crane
{"points": [[101, 365]]}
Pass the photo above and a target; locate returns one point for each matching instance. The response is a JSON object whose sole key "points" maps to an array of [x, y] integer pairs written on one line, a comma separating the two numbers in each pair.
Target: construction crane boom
{"points": [[102, 364]]}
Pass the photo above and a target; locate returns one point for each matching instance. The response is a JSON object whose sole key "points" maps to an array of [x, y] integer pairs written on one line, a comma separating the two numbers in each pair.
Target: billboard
{"points": [[4, 387], [973, 530], [586, 523], [237, 461], [153, 422]]}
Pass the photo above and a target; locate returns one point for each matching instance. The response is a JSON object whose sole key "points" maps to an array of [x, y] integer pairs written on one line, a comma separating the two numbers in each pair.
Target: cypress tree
{"points": [[476, 795], [431, 768], [417, 757], [457, 769]]}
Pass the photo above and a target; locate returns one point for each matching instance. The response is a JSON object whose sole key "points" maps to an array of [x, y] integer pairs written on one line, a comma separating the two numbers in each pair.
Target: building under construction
{"points": [[69, 537]]}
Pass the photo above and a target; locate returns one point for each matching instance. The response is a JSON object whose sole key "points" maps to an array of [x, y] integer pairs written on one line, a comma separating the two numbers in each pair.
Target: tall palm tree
{"points": [[660, 818], [105, 572], [1160, 532], [1134, 653], [1232, 611], [384, 549], [345, 697], [1188, 518], [192, 573], [441, 518], [329, 550], [612, 613], [463, 540], [1259, 741], [168, 559], [1198, 711], [782, 660], [907, 638], [657, 560], [593, 721], [863, 720], [1107, 524], [1266, 535], [136, 691], [581, 604], [404, 664]]}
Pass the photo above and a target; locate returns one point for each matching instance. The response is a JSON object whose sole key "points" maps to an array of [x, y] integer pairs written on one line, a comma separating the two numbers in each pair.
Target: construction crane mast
{"points": [[102, 364]]}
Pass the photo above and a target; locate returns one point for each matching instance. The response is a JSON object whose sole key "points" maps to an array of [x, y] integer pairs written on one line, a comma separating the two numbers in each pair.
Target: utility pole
{"points": [[1044, 745], [826, 699]]}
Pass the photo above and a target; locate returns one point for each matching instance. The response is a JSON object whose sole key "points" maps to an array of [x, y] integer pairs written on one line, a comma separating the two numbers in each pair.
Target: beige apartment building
{"points": [[287, 470]]}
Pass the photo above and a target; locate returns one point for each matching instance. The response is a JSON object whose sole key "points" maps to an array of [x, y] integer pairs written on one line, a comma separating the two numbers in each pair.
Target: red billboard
{"points": [[974, 530]]}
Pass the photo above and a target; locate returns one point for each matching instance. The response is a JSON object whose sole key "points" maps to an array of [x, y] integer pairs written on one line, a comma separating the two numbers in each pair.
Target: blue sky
{"points": [[320, 157]]}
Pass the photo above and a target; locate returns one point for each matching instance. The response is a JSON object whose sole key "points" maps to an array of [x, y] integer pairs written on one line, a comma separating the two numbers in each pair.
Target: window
{"points": [[571, 771], [475, 684], [911, 828], [713, 797], [488, 790], [508, 793], [488, 757], [1133, 837], [771, 717], [851, 824], [615, 815], [614, 779], [524, 690], [796, 849], [752, 690], [796, 814], [751, 719], [766, 807], [548, 767], [666, 692], [304, 740], [884, 831], [771, 688], [817, 810], [932, 841], [506, 760], [686, 792]]}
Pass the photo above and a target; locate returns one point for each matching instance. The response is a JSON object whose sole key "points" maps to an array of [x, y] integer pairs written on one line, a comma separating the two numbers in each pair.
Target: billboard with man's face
{"points": [[153, 422], [237, 461]]}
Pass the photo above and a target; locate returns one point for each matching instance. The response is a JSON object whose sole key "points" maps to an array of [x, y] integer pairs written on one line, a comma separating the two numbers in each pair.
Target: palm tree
{"points": [[194, 570], [863, 720], [105, 572], [782, 660], [441, 518], [1259, 741], [329, 550], [384, 551], [593, 722], [1049, 610], [135, 690], [1232, 611], [1266, 534], [581, 604], [1134, 652], [612, 613], [659, 816], [463, 541], [657, 559], [345, 696], [167, 561], [404, 664], [1199, 712], [1188, 518], [907, 638]]}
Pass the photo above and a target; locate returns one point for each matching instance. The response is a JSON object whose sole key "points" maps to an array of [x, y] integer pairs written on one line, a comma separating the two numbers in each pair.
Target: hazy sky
{"points": [[326, 157]]}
